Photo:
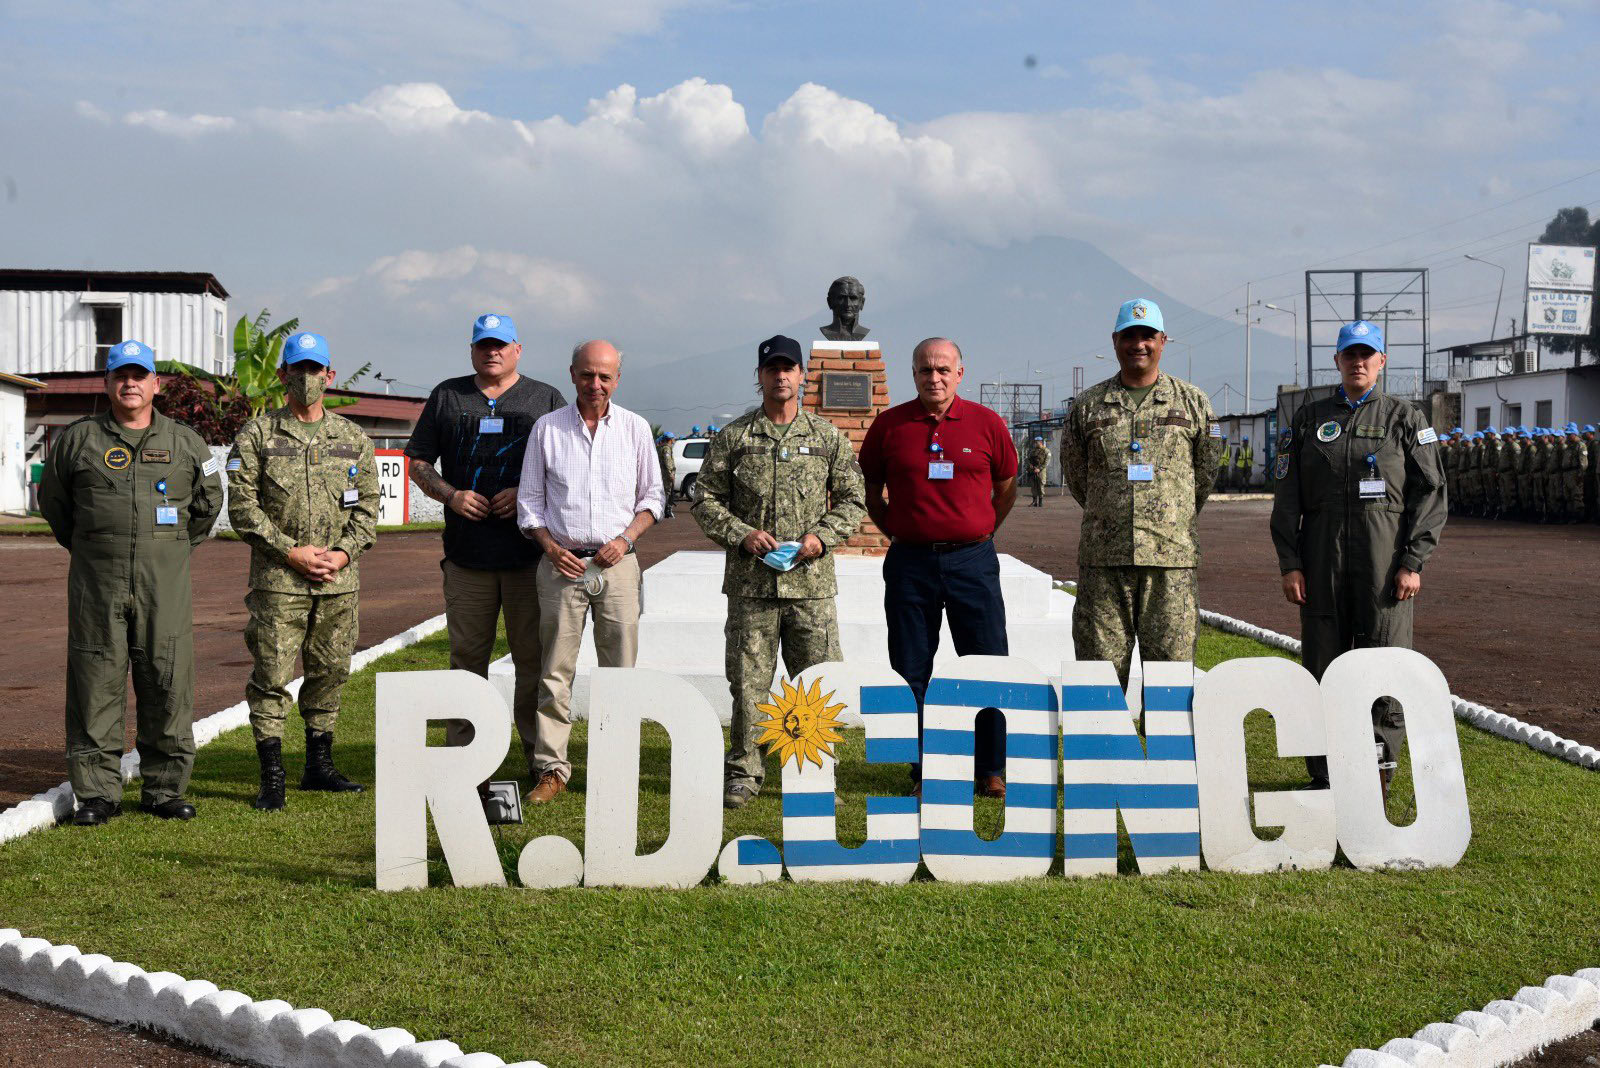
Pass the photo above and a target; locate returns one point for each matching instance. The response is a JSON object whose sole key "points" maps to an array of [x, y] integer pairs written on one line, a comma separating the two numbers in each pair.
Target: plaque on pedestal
{"points": [[846, 385]]}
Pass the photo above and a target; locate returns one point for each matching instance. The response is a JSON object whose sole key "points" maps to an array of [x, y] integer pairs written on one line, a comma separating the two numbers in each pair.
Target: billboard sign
{"points": [[1565, 267], [1554, 312]]}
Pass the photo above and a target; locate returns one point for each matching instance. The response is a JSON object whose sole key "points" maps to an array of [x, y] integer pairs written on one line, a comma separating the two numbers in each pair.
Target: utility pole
{"points": [[1246, 311]]}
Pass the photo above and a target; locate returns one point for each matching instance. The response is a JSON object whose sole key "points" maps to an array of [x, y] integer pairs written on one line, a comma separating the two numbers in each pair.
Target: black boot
{"points": [[320, 772], [270, 753]]}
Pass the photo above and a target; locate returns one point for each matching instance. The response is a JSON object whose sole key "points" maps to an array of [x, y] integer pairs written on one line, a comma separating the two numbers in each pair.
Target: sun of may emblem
{"points": [[800, 723]]}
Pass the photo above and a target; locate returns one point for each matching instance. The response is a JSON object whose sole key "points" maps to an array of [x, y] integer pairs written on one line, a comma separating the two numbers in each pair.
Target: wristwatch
{"points": [[627, 539]]}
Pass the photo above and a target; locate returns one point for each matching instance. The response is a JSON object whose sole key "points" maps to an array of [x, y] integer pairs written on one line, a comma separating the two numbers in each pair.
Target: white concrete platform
{"points": [[684, 609]]}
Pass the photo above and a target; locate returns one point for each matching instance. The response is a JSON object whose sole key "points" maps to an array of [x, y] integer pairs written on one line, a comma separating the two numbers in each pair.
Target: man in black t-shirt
{"points": [[477, 428]]}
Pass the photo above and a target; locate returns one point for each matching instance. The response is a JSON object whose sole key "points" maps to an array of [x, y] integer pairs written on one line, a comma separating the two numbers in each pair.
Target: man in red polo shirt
{"points": [[951, 472]]}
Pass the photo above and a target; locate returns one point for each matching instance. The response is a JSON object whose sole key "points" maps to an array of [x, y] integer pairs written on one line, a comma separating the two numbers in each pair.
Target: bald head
{"points": [[936, 369], [596, 370]]}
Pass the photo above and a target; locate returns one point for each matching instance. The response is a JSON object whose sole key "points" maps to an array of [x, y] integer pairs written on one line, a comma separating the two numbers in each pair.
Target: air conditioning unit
{"points": [[1524, 360]]}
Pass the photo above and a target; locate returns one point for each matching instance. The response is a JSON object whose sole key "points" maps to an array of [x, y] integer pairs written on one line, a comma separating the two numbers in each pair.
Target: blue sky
{"points": [[618, 168]]}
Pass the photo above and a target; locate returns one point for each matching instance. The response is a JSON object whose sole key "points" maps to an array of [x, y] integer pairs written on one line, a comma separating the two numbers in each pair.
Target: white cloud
{"points": [[179, 125]]}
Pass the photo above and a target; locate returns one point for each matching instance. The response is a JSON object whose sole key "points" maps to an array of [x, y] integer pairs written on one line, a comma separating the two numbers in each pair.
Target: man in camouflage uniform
{"points": [[1591, 478], [303, 493], [1574, 468], [1549, 468], [1358, 506], [1529, 490], [1038, 464], [1452, 450], [669, 471], [1506, 473], [130, 494], [779, 489], [1490, 473], [1140, 448]]}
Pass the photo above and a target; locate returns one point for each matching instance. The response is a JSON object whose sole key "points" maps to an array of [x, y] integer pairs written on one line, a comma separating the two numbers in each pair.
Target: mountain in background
{"points": [[1025, 313]]}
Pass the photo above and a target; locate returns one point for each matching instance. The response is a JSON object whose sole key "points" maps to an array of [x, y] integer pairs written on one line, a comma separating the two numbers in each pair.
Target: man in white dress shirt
{"points": [[591, 484]]}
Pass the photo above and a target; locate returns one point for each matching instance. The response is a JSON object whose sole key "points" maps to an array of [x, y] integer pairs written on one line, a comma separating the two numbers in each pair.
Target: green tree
{"points": [[1572, 226]]}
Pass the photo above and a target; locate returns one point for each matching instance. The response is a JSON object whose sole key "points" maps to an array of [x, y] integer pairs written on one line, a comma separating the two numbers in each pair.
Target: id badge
{"points": [[352, 497], [947, 469], [166, 515], [1141, 473], [491, 424], [1372, 489]]}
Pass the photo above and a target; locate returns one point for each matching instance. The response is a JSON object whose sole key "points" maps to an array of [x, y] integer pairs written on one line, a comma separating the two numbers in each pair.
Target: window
{"points": [[1482, 416], [107, 332], [1513, 415], [218, 345], [696, 450], [1541, 412]]}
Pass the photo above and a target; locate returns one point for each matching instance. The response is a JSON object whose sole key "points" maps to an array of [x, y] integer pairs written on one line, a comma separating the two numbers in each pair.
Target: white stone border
{"points": [[1505, 1031], [273, 1033], [1488, 719], [57, 803]]}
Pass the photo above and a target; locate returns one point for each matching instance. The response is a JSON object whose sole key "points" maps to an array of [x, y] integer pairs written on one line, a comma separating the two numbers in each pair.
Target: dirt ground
{"points": [[1507, 611]]}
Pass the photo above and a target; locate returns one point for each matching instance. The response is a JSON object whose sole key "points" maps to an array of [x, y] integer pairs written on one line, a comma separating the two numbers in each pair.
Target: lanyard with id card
{"points": [[939, 467], [1138, 472], [166, 514], [489, 424], [352, 496], [1372, 488]]}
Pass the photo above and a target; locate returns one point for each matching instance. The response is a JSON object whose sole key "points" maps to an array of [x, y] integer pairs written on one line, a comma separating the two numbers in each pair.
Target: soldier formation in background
{"points": [[1535, 475]]}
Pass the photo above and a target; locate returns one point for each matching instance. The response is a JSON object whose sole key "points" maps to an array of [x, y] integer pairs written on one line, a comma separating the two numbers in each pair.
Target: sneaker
{"points": [[737, 795], [546, 789]]}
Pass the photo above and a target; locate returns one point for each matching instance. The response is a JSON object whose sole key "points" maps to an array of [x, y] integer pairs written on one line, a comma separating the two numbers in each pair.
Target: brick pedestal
{"points": [[850, 356]]}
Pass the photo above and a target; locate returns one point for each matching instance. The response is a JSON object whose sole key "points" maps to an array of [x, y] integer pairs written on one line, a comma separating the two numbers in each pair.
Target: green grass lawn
{"points": [[1128, 970]]}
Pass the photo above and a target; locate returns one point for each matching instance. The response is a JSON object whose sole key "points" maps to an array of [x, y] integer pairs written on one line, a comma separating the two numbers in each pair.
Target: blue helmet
{"points": [[1490, 430], [1571, 428], [1457, 430], [1588, 428], [695, 429]]}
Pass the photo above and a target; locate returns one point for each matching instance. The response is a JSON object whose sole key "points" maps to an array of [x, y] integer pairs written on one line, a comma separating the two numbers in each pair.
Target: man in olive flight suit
{"points": [[129, 494], [779, 489], [303, 492], [1358, 506], [1139, 450]]}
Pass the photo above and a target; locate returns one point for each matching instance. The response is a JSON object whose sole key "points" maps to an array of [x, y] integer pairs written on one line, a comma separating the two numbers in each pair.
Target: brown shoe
{"points": [[545, 790], [992, 786]]}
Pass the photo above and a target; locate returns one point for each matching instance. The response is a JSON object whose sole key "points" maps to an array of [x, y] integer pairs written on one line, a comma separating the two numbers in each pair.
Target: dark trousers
{"points": [[919, 587]]}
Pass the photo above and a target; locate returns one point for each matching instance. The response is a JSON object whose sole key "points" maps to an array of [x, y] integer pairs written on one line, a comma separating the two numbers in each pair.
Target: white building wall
{"points": [[45, 331], [1498, 394], [13, 466]]}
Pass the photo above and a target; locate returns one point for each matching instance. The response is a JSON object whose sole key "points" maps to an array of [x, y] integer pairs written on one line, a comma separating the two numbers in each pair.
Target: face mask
{"points": [[306, 389], [784, 557]]}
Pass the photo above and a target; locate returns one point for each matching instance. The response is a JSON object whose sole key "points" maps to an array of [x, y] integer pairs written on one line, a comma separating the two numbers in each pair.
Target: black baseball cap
{"points": [[779, 347]]}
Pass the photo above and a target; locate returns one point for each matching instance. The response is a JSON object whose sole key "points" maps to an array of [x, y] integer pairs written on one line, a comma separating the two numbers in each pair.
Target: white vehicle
{"points": [[688, 454]]}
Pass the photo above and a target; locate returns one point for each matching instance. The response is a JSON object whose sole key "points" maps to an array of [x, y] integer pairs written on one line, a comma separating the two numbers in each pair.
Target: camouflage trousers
{"points": [[321, 631], [807, 629], [1115, 605]]}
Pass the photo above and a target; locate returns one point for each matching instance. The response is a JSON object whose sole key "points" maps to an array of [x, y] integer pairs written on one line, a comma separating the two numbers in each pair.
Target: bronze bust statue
{"points": [[846, 297]]}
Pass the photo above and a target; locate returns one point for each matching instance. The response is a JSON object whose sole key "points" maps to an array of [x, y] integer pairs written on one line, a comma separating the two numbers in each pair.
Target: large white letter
{"points": [[1443, 826], [811, 849], [950, 847], [415, 778], [1222, 700], [1104, 767], [620, 699]]}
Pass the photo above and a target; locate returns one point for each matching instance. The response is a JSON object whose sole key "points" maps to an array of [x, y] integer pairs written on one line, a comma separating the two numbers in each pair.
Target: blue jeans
{"points": [[920, 586]]}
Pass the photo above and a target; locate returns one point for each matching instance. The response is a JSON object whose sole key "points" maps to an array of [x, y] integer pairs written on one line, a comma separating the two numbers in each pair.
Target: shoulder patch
{"points": [[1215, 430], [209, 468], [1280, 469], [234, 463], [1427, 436]]}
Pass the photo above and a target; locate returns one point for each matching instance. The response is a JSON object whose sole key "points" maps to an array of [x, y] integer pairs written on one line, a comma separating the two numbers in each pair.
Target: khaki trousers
{"points": [[473, 603], [564, 606]]}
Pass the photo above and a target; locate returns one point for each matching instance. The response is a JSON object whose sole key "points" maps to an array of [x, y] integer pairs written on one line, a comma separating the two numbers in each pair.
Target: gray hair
{"points": [[931, 340], [577, 350]]}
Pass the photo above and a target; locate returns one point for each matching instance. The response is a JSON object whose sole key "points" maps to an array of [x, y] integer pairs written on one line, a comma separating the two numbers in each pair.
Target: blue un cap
{"points": [[306, 346], [1360, 332], [1571, 428], [496, 326], [130, 353], [1138, 312]]}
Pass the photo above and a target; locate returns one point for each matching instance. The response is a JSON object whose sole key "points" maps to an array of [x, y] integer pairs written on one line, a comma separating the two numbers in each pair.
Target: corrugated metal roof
{"points": [[112, 281]]}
